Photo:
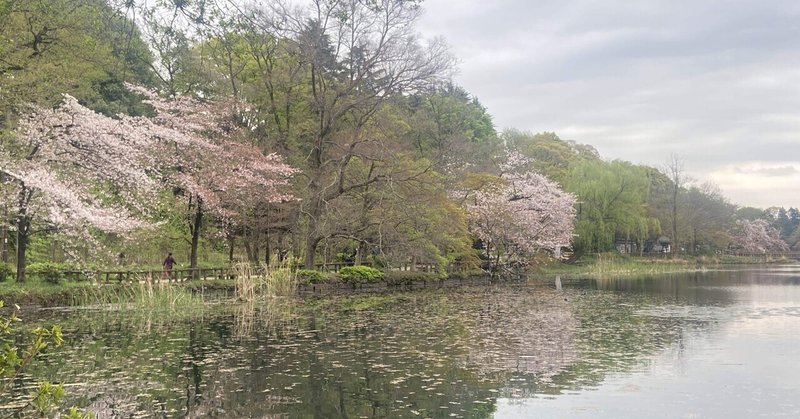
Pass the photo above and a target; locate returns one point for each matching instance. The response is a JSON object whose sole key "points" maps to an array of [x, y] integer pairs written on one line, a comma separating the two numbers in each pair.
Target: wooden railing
{"points": [[176, 275], [180, 275]]}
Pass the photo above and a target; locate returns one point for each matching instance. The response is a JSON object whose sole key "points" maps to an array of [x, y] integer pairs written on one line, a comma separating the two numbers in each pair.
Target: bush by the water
{"points": [[6, 272], [407, 277], [311, 276], [359, 274], [49, 272]]}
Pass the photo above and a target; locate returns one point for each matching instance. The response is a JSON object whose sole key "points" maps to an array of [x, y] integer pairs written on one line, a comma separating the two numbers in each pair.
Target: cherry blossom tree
{"points": [[217, 173], [758, 236], [75, 171], [527, 214], [72, 170]]}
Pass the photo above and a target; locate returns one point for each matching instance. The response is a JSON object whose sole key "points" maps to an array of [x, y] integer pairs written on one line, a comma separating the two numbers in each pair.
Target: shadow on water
{"points": [[428, 353]]}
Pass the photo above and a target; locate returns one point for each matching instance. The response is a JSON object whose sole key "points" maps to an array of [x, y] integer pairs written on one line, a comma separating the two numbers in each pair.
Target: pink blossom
{"points": [[759, 236], [87, 170], [529, 213]]}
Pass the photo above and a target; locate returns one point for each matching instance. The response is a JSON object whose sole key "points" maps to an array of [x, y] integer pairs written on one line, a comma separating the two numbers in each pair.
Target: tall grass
{"points": [[141, 294], [276, 280]]}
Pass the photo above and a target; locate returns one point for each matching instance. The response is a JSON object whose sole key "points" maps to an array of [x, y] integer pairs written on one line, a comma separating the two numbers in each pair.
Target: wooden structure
{"points": [[177, 275], [180, 275]]}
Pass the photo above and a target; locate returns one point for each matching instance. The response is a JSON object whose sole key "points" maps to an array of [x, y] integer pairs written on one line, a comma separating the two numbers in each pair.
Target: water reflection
{"points": [[508, 350]]}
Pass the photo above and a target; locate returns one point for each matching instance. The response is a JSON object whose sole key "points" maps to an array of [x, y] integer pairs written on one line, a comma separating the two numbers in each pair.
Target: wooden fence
{"points": [[180, 275], [176, 275]]}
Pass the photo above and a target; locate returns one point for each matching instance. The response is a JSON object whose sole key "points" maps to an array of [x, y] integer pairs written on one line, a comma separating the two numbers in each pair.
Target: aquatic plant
{"points": [[14, 360], [145, 294], [274, 280]]}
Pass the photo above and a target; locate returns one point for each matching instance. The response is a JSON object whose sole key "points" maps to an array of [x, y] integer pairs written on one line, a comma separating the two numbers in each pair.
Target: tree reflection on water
{"points": [[430, 353]]}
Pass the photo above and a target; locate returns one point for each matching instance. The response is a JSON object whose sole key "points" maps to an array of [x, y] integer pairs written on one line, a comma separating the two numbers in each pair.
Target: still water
{"points": [[721, 344]]}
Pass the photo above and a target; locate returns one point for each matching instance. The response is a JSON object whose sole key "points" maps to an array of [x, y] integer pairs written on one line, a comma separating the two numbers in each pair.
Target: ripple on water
{"points": [[454, 352]]}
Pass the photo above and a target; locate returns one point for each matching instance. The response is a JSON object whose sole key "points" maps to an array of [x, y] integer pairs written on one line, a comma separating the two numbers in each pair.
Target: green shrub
{"points": [[6, 272], [407, 277], [46, 271], [359, 274], [311, 276]]}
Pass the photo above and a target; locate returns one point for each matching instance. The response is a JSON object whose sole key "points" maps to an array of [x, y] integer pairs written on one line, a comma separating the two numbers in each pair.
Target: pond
{"points": [[712, 344]]}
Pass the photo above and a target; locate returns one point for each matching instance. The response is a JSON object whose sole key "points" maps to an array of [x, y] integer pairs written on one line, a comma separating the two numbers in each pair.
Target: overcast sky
{"points": [[715, 81]]}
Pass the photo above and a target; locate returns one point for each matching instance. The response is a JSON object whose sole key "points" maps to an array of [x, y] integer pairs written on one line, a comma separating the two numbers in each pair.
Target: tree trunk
{"points": [[496, 269], [197, 224], [312, 239], [675, 246], [23, 223], [362, 253], [311, 250], [23, 229], [231, 244], [249, 250], [256, 245], [4, 236], [267, 250]]}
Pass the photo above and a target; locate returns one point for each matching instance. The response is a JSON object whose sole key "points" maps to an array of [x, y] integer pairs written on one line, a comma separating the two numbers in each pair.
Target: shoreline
{"points": [[41, 294]]}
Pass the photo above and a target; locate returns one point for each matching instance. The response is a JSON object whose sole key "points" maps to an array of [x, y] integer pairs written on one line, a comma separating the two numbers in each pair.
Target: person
{"points": [[169, 262]]}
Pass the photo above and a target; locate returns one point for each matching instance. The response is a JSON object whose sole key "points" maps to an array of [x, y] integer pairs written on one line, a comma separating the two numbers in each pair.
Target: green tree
{"points": [[552, 156], [451, 128], [750, 213], [612, 201], [676, 172], [783, 224], [710, 218], [794, 239], [82, 47], [351, 60]]}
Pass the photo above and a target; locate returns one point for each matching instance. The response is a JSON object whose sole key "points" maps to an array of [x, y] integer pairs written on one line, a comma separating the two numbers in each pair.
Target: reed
{"points": [[276, 280], [141, 294]]}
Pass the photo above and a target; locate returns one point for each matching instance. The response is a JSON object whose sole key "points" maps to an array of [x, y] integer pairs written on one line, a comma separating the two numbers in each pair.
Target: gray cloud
{"points": [[717, 82], [779, 171]]}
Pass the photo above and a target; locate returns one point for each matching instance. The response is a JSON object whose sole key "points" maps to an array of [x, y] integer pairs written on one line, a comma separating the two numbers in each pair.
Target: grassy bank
{"points": [[283, 282], [619, 264], [67, 293], [37, 292]]}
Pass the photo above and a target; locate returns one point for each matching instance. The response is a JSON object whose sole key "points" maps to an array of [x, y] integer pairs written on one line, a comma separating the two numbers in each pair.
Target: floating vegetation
{"points": [[427, 353]]}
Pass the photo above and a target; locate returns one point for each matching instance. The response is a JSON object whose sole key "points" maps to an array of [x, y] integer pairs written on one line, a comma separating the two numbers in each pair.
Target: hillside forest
{"points": [[327, 131]]}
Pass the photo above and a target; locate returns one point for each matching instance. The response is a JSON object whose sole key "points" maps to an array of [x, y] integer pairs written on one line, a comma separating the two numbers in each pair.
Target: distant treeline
{"points": [[326, 133]]}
